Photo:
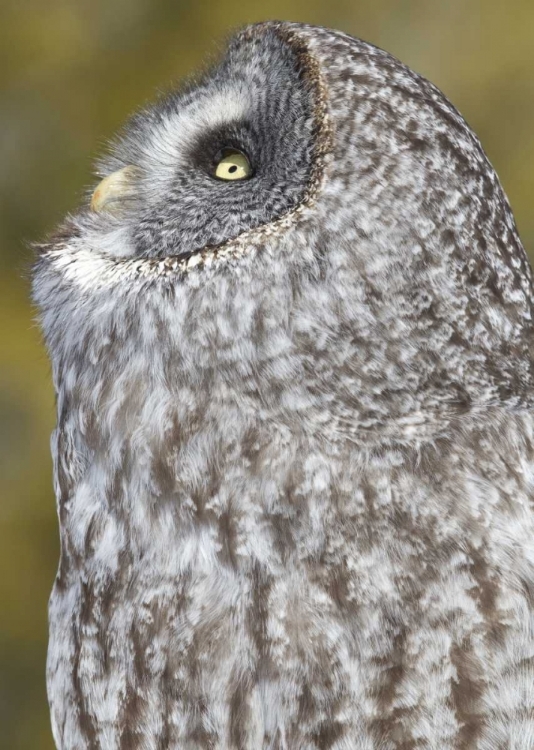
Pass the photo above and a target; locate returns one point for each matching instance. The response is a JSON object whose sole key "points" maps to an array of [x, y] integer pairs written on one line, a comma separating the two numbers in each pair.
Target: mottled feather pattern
{"points": [[295, 467]]}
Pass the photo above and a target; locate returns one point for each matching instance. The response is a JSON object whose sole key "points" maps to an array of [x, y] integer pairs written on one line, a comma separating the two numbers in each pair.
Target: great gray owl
{"points": [[294, 459]]}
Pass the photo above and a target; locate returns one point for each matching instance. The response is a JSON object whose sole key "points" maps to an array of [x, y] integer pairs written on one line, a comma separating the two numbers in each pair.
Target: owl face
{"points": [[230, 154], [312, 232]]}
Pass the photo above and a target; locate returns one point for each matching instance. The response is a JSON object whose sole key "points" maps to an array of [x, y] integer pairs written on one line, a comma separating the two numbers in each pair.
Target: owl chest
{"points": [[281, 582], [201, 535]]}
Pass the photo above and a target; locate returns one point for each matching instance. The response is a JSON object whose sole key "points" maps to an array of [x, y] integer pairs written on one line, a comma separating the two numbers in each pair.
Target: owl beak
{"points": [[114, 190]]}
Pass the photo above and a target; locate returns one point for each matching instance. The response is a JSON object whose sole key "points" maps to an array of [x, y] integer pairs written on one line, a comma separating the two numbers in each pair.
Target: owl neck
{"points": [[202, 482]]}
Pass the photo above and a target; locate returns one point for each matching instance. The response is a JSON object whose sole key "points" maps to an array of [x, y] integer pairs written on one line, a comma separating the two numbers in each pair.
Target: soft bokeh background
{"points": [[70, 72]]}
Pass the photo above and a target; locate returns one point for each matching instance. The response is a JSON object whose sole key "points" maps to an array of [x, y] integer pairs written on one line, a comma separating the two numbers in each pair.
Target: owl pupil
{"points": [[233, 169]]}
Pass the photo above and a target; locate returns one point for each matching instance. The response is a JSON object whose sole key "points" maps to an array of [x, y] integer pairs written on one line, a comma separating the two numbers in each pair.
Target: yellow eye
{"points": [[233, 166]]}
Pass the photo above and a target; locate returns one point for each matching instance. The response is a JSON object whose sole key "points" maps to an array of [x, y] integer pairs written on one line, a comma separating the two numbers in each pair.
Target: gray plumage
{"points": [[294, 457]]}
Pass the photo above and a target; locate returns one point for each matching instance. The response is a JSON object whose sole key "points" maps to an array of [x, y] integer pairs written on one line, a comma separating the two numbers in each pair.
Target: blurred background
{"points": [[70, 73]]}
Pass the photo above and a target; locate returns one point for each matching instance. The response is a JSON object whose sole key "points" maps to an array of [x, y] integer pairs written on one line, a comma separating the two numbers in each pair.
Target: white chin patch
{"points": [[115, 242]]}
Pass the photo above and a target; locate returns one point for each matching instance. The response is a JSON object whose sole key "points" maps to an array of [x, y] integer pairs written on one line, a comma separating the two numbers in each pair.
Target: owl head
{"points": [[309, 234]]}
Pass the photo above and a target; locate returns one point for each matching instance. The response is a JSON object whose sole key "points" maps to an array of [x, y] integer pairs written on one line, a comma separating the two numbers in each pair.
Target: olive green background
{"points": [[70, 72]]}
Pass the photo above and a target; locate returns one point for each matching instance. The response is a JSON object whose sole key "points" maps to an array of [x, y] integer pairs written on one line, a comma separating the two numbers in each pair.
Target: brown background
{"points": [[70, 72]]}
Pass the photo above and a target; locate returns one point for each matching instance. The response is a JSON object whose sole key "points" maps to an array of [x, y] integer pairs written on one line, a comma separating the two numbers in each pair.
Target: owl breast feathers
{"points": [[294, 455]]}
